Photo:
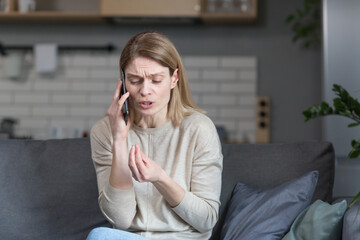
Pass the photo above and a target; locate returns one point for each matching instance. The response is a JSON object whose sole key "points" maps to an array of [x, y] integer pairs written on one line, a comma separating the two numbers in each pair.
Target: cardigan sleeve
{"points": [[200, 206], [118, 206]]}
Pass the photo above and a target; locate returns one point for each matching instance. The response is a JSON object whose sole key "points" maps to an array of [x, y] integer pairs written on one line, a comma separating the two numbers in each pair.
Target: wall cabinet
{"points": [[207, 11]]}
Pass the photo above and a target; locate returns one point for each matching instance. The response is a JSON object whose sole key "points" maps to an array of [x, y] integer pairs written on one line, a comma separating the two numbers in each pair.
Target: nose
{"points": [[145, 88]]}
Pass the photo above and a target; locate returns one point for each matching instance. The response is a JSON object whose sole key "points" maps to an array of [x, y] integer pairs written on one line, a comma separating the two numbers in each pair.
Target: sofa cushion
{"points": [[320, 221], [351, 223], [267, 214], [268, 165], [49, 190]]}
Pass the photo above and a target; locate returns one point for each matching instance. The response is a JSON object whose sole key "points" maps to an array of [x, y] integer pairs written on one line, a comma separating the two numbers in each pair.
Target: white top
{"points": [[190, 154]]}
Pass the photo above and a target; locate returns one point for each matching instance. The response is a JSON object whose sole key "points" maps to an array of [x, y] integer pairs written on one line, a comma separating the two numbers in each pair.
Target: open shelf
{"points": [[50, 16], [58, 11]]}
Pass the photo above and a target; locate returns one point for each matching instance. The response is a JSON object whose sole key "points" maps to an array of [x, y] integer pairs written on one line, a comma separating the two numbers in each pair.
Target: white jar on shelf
{"points": [[26, 5], [7, 5], [242, 5]]}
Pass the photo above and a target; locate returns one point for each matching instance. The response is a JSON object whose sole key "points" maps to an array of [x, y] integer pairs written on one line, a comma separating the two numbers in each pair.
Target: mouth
{"points": [[146, 104]]}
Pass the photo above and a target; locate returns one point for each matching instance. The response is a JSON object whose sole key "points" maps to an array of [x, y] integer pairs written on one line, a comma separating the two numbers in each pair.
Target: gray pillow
{"points": [[267, 213], [351, 223]]}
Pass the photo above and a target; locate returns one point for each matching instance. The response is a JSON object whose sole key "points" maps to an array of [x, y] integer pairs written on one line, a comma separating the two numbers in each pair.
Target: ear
{"points": [[174, 78]]}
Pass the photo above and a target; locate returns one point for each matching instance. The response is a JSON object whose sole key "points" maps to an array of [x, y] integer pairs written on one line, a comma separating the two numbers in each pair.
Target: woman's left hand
{"points": [[146, 170], [143, 168]]}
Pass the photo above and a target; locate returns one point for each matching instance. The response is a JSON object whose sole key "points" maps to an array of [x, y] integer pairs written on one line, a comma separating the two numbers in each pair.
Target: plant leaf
{"points": [[307, 44], [324, 106], [354, 153], [307, 23], [357, 108], [299, 13], [307, 115], [338, 105], [290, 18], [336, 88], [354, 200], [355, 144], [344, 105], [353, 124]]}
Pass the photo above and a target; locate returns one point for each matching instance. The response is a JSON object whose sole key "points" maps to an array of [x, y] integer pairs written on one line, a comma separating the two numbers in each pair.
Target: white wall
{"points": [[341, 66]]}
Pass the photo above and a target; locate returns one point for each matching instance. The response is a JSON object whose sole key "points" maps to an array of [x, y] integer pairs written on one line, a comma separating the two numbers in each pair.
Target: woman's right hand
{"points": [[119, 129]]}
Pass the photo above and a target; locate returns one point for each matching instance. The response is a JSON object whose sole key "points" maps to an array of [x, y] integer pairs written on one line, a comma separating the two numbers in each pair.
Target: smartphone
{"points": [[123, 91]]}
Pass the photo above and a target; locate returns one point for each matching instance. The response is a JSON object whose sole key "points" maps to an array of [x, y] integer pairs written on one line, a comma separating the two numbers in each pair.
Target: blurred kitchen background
{"points": [[234, 52]]}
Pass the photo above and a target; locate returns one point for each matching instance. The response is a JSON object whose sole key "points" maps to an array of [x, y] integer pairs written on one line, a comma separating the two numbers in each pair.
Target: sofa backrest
{"points": [[48, 190], [268, 165]]}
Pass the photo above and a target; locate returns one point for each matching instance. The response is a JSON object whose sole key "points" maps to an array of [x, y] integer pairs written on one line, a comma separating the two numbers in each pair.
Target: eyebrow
{"points": [[151, 75]]}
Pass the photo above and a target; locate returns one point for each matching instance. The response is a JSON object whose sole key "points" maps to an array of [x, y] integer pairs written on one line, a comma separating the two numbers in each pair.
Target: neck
{"points": [[150, 121]]}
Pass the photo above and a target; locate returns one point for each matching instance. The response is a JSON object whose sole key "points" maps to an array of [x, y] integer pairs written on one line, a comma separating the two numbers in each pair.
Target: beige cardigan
{"points": [[190, 154]]}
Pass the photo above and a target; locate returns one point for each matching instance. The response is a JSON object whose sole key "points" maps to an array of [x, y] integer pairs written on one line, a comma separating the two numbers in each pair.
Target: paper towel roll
{"points": [[46, 58]]}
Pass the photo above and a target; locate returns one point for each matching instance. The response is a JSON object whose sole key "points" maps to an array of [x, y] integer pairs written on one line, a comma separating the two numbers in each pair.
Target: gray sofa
{"points": [[49, 187]]}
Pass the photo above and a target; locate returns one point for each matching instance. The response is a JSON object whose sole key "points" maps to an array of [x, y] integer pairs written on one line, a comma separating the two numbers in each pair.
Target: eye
{"points": [[133, 80], [157, 80]]}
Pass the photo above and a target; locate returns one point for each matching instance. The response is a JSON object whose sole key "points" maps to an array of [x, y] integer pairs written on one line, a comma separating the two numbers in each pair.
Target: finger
{"points": [[117, 90], [138, 154], [139, 160], [143, 171], [144, 158], [132, 165], [116, 106], [121, 101], [123, 98]]}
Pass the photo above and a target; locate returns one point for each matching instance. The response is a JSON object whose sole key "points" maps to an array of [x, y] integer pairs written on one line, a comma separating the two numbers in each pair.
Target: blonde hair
{"points": [[158, 47]]}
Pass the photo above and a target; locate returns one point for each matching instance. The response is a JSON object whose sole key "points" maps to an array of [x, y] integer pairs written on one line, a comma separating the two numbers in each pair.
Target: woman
{"points": [[159, 176]]}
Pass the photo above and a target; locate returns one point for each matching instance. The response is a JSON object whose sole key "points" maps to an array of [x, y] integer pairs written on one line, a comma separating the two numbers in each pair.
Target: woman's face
{"points": [[149, 85]]}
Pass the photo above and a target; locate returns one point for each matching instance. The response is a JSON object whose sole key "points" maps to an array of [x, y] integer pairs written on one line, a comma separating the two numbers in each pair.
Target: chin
{"points": [[146, 113]]}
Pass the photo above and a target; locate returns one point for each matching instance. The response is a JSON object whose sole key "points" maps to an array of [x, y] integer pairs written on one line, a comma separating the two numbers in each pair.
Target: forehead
{"points": [[142, 64]]}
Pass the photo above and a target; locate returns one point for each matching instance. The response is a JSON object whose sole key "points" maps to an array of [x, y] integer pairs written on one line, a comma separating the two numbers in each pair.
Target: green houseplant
{"points": [[343, 105], [306, 23]]}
